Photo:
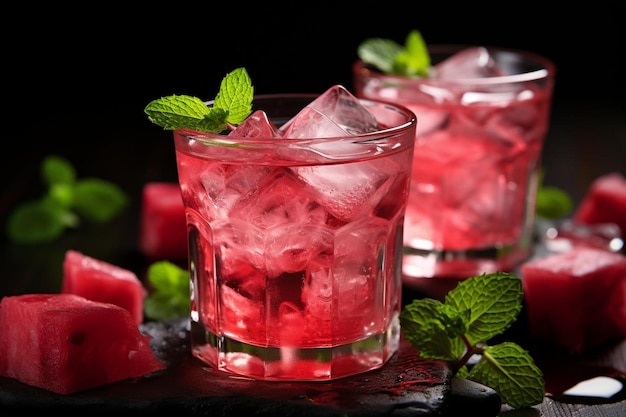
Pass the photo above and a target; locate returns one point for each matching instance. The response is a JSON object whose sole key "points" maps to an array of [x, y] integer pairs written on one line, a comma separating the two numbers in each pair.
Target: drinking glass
{"points": [[479, 138], [295, 245]]}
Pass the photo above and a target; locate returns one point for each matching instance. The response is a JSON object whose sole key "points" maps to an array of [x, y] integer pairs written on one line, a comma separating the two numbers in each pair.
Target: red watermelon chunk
{"points": [[576, 299], [66, 343], [163, 229], [98, 280], [605, 202]]}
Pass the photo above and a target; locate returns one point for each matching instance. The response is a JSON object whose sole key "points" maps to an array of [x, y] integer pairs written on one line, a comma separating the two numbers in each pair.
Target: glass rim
{"points": [[409, 117], [546, 70]]}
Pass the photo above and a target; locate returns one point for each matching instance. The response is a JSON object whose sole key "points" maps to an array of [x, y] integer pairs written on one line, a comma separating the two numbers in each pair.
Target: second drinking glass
{"points": [[483, 114]]}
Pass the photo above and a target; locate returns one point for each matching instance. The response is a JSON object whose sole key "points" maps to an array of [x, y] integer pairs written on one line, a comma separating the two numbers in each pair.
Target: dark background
{"points": [[76, 81]]}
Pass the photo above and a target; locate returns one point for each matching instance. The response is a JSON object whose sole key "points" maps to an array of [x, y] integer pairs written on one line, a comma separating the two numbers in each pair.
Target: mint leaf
{"points": [[62, 194], [231, 106], [174, 112], [493, 302], [170, 296], [509, 369], [425, 324], [389, 57], [380, 53], [57, 170], [458, 329], [60, 176], [215, 121], [235, 96], [39, 221], [98, 200], [413, 60], [553, 203]]}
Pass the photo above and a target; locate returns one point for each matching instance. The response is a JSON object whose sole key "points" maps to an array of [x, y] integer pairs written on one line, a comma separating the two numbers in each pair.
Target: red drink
{"points": [[478, 145], [296, 244]]}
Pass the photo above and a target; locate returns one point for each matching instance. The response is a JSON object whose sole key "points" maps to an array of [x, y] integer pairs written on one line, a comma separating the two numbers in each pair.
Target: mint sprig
{"points": [[552, 202], [231, 106], [409, 60], [169, 296], [68, 200], [458, 329]]}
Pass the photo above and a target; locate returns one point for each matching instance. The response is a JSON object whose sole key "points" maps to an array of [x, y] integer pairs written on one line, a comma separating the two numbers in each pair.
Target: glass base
{"points": [[294, 363], [460, 264], [435, 273]]}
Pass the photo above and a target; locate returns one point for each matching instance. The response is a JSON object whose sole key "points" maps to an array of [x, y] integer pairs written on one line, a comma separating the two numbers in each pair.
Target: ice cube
{"points": [[255, 126], [224, 185], [286, 221], [475, 62], [349, 190], [290, 248], [345, 290], [279, 199], [335, 113]]}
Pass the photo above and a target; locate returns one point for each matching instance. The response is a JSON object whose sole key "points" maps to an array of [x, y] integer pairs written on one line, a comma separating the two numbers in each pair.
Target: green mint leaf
{"points": [[45, 219], [231, 106], [414, 60], [425, 324], [57, 170], [98, 200], [379, 53], [170, 296], [158, 306], [509, 369], [215, 121], [39, 221], [493, 302], [553, 203], [177, 112], [61, 194], [235, 96], [389, 57]]}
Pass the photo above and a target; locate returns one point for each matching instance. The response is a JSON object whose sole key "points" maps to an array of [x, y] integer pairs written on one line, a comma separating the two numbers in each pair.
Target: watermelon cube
{"points": [[98, 280], [576, 299], [604, 202], [66, 343], [163, 229]]}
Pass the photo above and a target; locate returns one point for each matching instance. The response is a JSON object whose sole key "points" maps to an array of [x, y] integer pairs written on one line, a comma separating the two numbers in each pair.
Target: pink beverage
{"points": [[295, 240], [482, 117]]}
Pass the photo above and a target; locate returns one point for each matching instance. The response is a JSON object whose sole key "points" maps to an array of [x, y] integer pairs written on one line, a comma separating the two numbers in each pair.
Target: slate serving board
{"points": [[405, 386]]}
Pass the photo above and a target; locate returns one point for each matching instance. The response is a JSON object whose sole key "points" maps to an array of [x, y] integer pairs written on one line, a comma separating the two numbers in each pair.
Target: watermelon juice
{"points": [[295, 241], [482, 114]]}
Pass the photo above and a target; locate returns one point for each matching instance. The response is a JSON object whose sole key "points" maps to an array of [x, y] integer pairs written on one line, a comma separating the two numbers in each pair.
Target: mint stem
{"points": [[470, 350]]}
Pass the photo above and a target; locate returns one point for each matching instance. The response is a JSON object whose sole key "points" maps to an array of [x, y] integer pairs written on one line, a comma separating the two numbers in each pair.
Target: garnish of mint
{"points": [[170, 291], [231, 106], [459, 329], [68, 200], [552, 202], [409, 60]]}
